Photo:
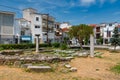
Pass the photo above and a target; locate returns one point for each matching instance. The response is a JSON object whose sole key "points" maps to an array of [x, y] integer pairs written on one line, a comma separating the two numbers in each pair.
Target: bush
{"points": [[63, 46], [17, 46], [55, 45], [44, 45], [20, 46]]}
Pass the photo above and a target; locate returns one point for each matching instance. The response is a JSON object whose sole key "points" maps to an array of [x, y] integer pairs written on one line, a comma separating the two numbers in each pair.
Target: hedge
{"points": [[20, 46], [55, 45]]}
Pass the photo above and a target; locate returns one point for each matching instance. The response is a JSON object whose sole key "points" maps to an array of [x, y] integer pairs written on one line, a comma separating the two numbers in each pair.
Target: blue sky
{"points": [[73, 11]]}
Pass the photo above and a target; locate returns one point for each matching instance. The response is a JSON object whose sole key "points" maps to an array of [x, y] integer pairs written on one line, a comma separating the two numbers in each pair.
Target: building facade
{"points": [[39, 24], [22, 31], [58, 32], [6, 27], [103, 32]]}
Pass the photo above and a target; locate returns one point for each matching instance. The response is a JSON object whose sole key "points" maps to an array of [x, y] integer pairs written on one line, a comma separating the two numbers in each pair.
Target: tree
{"points": [[115, 40], [80, 32]]}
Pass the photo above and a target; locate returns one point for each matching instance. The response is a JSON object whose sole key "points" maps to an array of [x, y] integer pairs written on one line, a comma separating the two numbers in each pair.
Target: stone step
{"points": [[40, 68]]}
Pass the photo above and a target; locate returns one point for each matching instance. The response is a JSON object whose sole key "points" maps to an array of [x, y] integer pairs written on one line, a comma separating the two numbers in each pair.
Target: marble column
{"points": [[91, 45], [37, 43]]}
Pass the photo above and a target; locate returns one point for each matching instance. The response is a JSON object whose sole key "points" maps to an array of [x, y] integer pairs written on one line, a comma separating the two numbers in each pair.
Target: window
{"points": [[98, 29], [37, 26], [37, 18], [22, 33], [108, 34], [110, 24]]}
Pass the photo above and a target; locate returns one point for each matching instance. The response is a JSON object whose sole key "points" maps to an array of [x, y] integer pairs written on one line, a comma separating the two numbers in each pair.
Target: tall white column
{"points": [[18, 40], [37, 43], [91, 46]]}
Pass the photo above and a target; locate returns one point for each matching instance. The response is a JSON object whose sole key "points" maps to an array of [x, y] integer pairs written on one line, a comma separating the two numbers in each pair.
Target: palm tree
{"points": [[80, 32]]}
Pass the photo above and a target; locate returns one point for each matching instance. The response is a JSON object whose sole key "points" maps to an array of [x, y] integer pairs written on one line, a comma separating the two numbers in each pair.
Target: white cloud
{"points": [[92, 2], [87, 2]]}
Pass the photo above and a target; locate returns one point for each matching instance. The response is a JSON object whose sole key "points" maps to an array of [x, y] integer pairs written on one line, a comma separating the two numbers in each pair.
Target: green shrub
{"points": [[56, 45], [63, 46], [44, 45], [20, 46]]}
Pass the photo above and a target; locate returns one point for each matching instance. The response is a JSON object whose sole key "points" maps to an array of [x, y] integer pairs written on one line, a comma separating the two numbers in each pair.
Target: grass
{"points": [[116, 68], [98, 54], [115, 51]]}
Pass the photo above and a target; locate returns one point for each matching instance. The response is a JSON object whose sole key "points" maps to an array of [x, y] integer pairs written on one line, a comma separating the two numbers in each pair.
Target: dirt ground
{"points": [[88, 69]]}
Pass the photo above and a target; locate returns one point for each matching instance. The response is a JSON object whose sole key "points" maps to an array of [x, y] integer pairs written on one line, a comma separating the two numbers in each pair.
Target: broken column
{"points": [[37, 42]]}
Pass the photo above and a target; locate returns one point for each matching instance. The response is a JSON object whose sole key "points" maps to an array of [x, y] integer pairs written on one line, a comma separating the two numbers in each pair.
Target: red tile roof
{"points": [[93, 25], [65, 29]]}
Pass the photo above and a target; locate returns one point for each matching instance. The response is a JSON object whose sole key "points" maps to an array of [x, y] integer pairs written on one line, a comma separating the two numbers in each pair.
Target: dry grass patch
{"points": [[88, 69]]}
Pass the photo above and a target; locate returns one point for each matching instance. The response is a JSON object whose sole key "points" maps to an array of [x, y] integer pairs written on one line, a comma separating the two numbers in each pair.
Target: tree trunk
{"points": [[81, 46], [80, 42]]}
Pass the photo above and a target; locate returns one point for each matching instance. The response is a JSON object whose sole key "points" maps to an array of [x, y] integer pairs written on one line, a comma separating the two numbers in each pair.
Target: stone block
{"points": [[39, 68], [68, 66], [73, 69], [26, 65]]}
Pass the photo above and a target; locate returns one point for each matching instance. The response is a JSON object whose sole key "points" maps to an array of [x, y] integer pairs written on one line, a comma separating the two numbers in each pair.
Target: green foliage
{"points": [[80, 32], [66, 40], [63, 54], [115, 40], [63, 46], [20, 46], [17, 46], [100, 40], [27, 70], [116, 69], [86, 40], [55, 45], [1, 48], [45, 45]]}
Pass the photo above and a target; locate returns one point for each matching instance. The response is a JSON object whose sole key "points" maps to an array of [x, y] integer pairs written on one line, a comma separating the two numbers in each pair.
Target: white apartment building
{"points": [[6, 27], [104, 31], [22, 30], [108, 31], [39, 24]]}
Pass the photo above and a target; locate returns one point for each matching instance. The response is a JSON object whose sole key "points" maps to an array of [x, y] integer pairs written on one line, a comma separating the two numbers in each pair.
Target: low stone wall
{"points": [[11, 52], [12, 59]]}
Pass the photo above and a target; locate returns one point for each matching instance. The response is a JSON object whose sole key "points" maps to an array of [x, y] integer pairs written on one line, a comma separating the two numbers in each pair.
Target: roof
{"points": [[65, 29], [93, 25], [7, 12], [30, 8]]}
